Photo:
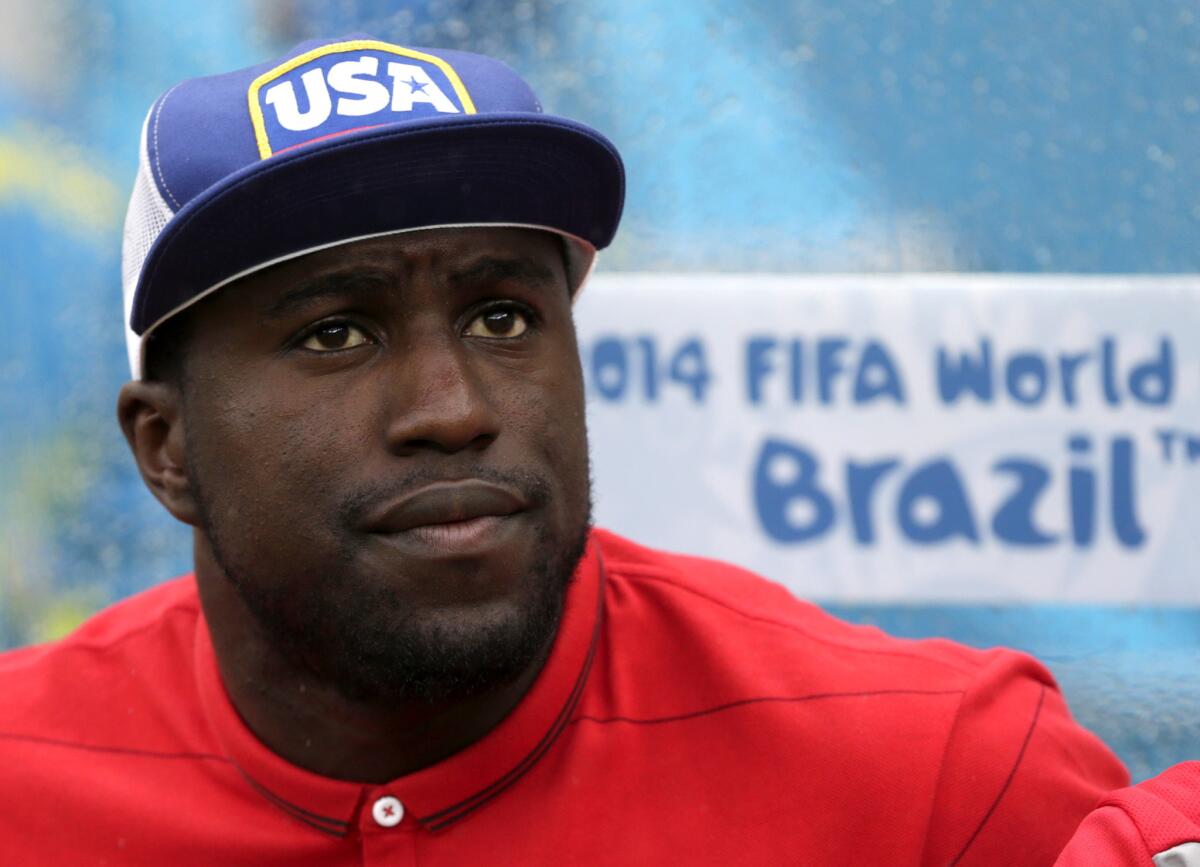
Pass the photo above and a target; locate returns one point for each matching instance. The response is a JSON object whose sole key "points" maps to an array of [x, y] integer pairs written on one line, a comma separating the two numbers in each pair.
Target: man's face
{"points": [[386, 443]]}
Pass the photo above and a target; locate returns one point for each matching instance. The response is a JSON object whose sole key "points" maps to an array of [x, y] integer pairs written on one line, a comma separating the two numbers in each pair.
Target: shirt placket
{"points": [[388, 831]]}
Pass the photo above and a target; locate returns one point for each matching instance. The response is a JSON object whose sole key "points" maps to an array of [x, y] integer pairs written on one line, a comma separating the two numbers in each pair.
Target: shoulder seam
{"points": [[1141, 834], [651, 576], [69, 642], [1118, 801], [1012, 773], [99, 748], [133, 631], [756, 700], [937, 785]]}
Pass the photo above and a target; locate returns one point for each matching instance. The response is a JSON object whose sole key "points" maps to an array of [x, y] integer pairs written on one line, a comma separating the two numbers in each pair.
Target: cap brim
{"points": [[512, 169]]}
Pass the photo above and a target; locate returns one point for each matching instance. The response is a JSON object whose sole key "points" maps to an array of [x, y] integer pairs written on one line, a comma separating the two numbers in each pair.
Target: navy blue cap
{"points": [[348, 139]]}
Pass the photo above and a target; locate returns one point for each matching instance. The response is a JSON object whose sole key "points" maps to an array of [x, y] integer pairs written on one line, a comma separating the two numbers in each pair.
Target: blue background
{"points": [[813, 135]]}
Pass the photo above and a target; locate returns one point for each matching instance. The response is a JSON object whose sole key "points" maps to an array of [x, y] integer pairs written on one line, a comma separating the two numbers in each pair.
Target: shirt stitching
{"points": [[157, 157], [1150, 853], [1118, 801], [66, 645], [793, 627], [942, 767], [125, 751], [449, 816], [326, 824], [762, 699], [334, 827], [1011, 774], [445, 817]]}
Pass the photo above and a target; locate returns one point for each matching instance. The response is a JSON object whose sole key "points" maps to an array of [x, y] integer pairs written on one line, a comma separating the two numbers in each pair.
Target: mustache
{"points": [[355, 508]]}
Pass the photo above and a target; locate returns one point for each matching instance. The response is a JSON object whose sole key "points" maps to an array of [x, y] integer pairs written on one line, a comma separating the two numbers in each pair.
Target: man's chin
{"points": [[386, 657], [472, 633], [382, 626]]}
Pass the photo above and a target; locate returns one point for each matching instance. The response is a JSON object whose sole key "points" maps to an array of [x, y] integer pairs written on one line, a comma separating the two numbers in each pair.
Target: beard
{"points": [[357, 636]]}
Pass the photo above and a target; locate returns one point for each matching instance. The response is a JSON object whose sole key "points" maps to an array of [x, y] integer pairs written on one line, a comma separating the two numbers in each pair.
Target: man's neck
{"points": [[313, 725]]}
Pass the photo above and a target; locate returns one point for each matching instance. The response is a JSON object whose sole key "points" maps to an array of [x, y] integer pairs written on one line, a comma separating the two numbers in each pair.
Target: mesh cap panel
{"points": [[147, 216]]}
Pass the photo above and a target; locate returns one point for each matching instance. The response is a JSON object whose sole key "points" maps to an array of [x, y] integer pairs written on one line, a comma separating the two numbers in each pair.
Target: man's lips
{"points": [[447, 503]]}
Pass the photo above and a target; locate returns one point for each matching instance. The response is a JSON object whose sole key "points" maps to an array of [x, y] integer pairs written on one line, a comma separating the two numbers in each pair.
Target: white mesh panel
{"points": [[147, 216]]}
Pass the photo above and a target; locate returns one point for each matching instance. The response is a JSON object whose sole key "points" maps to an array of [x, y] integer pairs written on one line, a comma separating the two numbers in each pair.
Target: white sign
{"points": [[905, 437]]}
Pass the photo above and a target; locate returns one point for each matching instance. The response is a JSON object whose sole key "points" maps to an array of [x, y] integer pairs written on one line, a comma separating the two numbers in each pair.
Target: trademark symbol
{"points": [[1179, 447]]}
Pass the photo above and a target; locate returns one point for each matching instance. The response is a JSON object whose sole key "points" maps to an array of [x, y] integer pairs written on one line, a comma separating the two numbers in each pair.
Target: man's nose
{"points": [[438, 400]]}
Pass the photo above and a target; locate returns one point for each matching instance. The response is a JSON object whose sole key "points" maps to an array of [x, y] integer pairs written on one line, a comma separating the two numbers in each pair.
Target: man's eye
{"points": [[499, 322], [335, 336]]}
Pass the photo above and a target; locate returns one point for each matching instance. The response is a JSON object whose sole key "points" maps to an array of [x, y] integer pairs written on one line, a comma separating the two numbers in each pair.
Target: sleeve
{"points": [[1107, 838], [1018, 773]]}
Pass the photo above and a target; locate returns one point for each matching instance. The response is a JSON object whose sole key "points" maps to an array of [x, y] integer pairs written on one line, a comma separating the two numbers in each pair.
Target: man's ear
{"points": [[151, 417]]}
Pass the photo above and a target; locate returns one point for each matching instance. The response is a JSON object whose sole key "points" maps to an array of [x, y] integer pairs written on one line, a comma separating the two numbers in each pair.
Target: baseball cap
{"points": [[341, 140]]}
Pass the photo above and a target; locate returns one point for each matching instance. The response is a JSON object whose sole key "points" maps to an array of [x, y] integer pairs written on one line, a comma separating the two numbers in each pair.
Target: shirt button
{"points": [[387, 812]]}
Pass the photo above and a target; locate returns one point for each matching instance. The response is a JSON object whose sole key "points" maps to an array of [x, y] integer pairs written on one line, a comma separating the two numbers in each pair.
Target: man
{"points": [[1152, 824], [349, 276]]}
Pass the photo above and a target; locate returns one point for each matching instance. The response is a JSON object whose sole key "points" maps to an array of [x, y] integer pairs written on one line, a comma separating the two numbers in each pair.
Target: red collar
{"points": [[443, 793]]}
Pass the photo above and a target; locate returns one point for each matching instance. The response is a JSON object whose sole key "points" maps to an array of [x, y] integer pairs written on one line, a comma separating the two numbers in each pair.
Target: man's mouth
{"points": [[450, 516]]}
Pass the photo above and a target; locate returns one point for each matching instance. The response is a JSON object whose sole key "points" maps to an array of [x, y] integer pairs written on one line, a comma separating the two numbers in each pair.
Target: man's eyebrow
{"points": [[338, 284], [497, 270]]}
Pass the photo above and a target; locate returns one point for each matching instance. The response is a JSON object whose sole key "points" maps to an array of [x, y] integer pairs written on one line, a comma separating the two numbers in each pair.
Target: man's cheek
{"points": [[265, 469]]}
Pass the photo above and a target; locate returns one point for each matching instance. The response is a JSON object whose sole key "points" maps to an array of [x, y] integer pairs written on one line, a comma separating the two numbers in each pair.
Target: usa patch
{"points": [[347, 86]]}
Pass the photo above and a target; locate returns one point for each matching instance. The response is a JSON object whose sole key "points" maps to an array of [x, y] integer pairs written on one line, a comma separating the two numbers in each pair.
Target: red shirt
{"points": [[1154, 823], [689, 713]]}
